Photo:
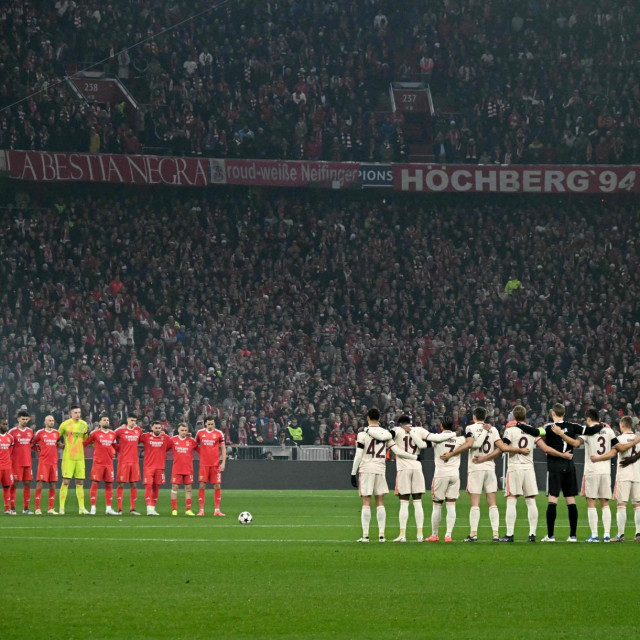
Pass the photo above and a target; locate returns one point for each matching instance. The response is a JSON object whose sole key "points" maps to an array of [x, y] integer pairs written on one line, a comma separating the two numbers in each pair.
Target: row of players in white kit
{"points": [[484, 444]]}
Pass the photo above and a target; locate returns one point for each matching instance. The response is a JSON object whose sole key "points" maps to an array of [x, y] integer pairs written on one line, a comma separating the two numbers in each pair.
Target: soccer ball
{"points": [[245, 518]]}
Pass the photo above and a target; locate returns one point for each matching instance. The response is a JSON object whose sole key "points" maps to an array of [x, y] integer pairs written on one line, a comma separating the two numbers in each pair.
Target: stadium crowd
{"points": [[537, 81], [296, 308]]}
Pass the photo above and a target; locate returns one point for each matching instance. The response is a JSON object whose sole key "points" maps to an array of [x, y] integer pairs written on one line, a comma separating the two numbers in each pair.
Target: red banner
{"points": [[515, 178], [42, 166]]}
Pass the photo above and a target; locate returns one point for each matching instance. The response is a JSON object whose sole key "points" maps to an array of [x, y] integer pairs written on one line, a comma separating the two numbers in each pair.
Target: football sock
{"points": [[510, 517], [13, 496], [148, 495], [573, 519], [133, 496], [606, 521], [217, 498], [451, 517], [26, 496], [636, 517], [119, 497], [187, 503], [156, 492], [38, 497], [6, 496], [52, 497], [108, 493], [403, 516], [621, 519], [592, 516], [436, 516], [419, 514], [494, 518], [80, 496], [93, 494], [532, 512], [365, 518], [474, 519], [174, 500], [552, 508], [64, 489], [201, 498], [381, 516]]}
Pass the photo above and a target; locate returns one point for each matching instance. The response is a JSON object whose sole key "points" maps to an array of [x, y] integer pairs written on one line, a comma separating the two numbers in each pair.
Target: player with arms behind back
{"points": [[102, 439], [368, 471], [128, 437], [6, 470], [213, 458], [182, 471], [74, 431], [45, 443], [21, 460], [446, 479], [156, 444]]}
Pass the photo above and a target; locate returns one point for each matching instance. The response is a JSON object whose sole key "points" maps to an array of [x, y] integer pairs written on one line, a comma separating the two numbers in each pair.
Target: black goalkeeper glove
{"points": [[354, 481]]}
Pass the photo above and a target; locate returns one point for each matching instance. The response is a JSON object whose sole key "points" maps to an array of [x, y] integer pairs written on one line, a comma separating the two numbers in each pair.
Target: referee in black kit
{"points": [[561, 469]]}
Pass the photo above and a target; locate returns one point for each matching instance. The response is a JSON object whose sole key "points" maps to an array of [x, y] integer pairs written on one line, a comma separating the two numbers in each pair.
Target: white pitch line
{"points": [[239, 541], [211, 540], [184, 526]]}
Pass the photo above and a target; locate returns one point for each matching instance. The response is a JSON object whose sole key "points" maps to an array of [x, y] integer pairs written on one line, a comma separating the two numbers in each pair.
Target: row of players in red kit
{"points": [[16, 445]]}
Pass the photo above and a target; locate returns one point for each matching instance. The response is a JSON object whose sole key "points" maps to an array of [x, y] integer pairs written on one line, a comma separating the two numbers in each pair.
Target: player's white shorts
{"points": [[521, 482], [447, 488], [625, 490], [410, 481], [372, 484], [598, 486], [479, 481]]}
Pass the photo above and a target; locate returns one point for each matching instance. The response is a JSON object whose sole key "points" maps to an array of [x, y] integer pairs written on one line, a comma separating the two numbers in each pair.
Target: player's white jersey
{"points": [[405, 443], [450, 468], [515, 437], [598, 445], [484, 443], [632, 472], [374, 455]]}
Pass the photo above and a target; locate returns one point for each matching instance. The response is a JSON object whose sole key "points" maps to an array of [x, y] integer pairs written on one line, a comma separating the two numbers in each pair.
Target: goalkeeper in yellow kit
{"points": [[74, 431]]}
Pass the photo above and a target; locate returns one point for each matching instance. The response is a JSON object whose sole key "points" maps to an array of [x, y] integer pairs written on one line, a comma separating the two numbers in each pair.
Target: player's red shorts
{"points": [[182, 478], [128, 472], [153, 476], [6, 477], [22, 474], [211, 475], [47, 473], [102, 473]]}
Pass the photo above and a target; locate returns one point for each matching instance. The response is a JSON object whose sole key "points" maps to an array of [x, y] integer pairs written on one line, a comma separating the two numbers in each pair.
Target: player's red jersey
{"points": [[22, 438], [182, 456], [128, 444], [6, 447], [103, 450], [209, 447], [46, 443], [155, 451]]}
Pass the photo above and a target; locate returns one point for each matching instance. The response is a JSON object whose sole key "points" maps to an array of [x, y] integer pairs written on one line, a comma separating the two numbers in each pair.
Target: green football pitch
{"points": [[297, 572]]}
